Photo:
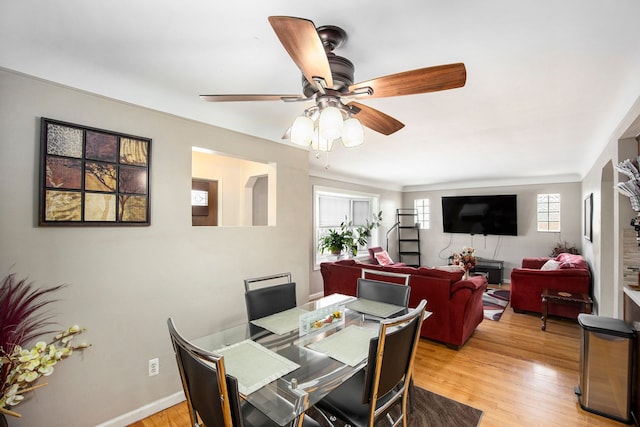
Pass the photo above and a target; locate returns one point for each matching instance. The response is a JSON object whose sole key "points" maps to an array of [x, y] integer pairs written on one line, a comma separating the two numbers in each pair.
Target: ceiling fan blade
{"points": [[227, 98], [422, 80], [374, 119], [300, 39]]}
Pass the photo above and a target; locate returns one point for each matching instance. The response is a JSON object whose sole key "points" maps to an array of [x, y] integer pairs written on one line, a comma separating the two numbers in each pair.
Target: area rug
{"points": [[428, 409], [494, 302]]}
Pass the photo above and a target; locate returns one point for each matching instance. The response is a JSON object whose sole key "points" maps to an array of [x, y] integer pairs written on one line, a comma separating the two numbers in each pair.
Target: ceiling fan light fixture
{"points": [[352, 133], [319, 143], [330, 123], [302, 131]]}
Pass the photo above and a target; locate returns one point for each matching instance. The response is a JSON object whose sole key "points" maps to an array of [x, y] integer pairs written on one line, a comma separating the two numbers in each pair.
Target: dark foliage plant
{"points": [[23, 318], [22, 312]]}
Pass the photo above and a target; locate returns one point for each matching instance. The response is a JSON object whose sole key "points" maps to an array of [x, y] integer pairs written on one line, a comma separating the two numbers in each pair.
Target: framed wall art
{"points": [[91, 177], [588, 217]]}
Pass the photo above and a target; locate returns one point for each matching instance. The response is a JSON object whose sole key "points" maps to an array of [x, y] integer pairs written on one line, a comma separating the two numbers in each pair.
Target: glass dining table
{"points": [[282, 371]]}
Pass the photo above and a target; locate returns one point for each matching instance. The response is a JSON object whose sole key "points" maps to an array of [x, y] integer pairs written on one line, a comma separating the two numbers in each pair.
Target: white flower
{"points": [[23, 367]]}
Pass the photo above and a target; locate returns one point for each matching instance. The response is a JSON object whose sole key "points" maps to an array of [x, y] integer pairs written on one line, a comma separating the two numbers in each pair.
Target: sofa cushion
{"points": [[346, 262], [552, 264], [452, 276], [473, 283], [383, 258], [395, 268], [572, 261], [372, 254]]}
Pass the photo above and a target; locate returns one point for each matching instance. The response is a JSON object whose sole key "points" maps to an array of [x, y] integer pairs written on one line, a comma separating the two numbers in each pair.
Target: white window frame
{"points": [[423, 208], [321, 191], [545, 209]]}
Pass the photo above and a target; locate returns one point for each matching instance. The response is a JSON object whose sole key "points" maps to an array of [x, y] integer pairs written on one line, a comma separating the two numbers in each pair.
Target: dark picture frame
{"points": [[92, 177], [588, 217]]}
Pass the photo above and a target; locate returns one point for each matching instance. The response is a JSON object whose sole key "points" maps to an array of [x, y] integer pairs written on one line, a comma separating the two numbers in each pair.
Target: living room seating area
{"points": [[455, 303], [566, 272]]}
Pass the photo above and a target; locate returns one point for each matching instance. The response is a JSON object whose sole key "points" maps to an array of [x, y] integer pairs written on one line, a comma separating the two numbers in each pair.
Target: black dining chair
{"points": [[265, 301], [391, 293], [213, 401], [373, 393]]}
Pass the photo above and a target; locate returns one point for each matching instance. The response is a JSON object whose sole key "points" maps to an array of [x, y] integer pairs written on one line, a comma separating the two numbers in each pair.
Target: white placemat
{"points": [[349, 346], [281, 323], [254, 365], [374, 308]]}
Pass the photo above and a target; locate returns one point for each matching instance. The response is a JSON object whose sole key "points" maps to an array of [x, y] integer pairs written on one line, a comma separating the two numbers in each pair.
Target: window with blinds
{"points": [[334, 207]]}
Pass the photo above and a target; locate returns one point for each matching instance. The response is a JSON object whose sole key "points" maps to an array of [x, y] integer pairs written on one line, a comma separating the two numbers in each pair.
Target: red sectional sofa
{"points": [[571, 275], [456, 304]]}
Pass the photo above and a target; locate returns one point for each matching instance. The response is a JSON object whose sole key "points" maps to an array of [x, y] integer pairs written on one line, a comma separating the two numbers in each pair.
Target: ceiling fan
{"points": [[328, 81]]}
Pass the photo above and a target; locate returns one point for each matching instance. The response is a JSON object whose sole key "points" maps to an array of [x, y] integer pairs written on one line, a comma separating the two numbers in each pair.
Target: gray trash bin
{"points": [[606, 357]]}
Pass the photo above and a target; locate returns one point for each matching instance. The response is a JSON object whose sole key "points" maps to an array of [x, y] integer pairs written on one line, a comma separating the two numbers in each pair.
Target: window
{"points": [[422, 208], [548, 215], [335, 206]]}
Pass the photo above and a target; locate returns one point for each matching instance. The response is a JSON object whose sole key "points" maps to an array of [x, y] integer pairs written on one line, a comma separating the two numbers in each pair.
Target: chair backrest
{"points": [[210, 398], [390, 293], [248, 283], [391, 357], [386, 276], [263, 302]]}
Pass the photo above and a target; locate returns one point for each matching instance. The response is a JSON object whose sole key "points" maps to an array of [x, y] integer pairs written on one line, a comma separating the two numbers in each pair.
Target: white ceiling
{"points": [[548, 81]]}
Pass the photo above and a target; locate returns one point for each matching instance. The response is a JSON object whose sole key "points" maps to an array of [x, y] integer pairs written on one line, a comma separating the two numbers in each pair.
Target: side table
{"points": [[563, 297]]}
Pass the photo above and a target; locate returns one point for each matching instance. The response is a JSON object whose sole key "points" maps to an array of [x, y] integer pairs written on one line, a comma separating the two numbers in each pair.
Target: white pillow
{"points": [[552, 264], [383, 258]]}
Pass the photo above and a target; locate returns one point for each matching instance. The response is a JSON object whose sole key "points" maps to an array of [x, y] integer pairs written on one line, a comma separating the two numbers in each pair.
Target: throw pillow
{"points": [[572, 261], [383, 258], [552, 264]]}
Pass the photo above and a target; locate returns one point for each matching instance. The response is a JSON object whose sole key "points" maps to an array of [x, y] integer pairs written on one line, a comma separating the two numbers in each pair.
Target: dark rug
{"points": [[494, 302], [428, 409]]}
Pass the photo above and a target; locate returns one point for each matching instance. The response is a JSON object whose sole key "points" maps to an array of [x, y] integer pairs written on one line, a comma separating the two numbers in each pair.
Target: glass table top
{"points": [[289, 373]]}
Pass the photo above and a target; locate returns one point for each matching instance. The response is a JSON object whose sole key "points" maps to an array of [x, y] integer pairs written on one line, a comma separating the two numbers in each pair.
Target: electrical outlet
{"points": [[154, 367]]}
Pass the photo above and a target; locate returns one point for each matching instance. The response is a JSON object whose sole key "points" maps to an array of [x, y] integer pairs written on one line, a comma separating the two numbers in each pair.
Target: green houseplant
{"points": [[22, 320], [348, 238]]}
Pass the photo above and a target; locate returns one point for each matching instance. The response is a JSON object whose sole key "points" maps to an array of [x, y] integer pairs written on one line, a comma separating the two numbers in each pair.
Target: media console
{"points": [[492, 268]]}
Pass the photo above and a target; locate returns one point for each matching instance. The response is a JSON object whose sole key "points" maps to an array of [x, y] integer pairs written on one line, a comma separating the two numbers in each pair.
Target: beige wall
{"points": [[612, 214], [123, 283], [437, 246]]}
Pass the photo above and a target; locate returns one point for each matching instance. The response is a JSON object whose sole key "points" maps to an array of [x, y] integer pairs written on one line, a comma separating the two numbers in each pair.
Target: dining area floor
{"points": [[510, 369]]}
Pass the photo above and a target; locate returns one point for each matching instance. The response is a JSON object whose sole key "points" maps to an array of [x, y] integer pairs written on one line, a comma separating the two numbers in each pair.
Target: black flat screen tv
{"points": [[497, 215]]}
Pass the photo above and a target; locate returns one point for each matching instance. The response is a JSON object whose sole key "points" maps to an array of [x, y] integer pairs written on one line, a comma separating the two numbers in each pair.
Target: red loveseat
{"points": [[571, 274], [456, 304]]}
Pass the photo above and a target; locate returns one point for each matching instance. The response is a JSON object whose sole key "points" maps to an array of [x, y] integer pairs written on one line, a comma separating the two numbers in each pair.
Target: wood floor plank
{"points": [[515, 373]]}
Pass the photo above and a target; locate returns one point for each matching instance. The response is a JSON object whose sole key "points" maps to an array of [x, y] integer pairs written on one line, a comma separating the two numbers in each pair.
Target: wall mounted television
{"points": [[497, 215]]}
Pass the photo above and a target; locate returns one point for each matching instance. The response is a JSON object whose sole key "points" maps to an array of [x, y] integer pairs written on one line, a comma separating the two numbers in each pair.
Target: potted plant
{"points": [[22, 320], [348, 238]]}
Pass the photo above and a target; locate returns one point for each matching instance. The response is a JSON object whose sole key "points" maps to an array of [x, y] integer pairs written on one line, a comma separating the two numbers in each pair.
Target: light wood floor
{"points": [[515, 373]]}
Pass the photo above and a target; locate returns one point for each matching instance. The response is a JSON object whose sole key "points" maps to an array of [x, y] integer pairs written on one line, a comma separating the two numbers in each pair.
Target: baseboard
{"points": [[316, 296], [144, 411]]}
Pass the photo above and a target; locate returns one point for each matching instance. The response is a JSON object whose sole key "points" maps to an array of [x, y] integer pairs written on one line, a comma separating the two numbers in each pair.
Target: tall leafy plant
{"points": [[348, 237]]}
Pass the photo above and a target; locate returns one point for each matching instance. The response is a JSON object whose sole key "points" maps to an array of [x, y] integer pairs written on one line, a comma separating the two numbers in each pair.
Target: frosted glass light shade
{"points": [[352, 133], [330, 123], [302, 131], [318, 143]]}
